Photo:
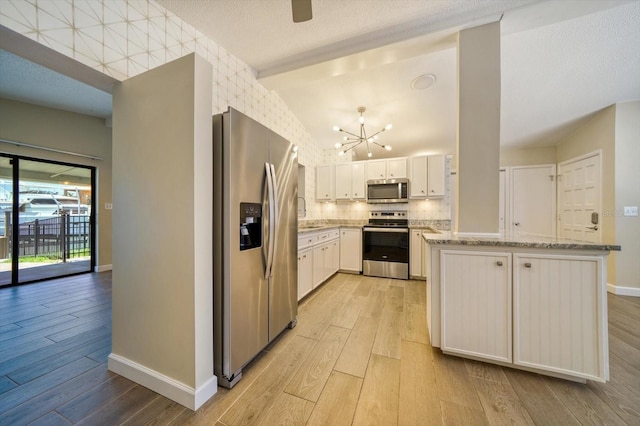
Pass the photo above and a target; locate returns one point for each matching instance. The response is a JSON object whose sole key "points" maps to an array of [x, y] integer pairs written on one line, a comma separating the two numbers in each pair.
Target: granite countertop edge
{"points": [[521, 241]]}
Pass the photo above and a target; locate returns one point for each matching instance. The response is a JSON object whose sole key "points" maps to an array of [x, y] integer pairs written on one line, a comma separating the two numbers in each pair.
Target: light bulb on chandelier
{"points": [[352, 140]]}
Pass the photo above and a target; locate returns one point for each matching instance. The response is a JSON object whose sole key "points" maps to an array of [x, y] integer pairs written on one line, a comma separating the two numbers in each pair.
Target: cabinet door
{"points": [[559, 314], [327, 261], [418, 181], [318, 266], [476, 304], [376, 169], [335, 256], [343, 181], [324, 183], [436, 175], [358, 181], [397, 168], [415, 253], [305, 272], [351, 249]]}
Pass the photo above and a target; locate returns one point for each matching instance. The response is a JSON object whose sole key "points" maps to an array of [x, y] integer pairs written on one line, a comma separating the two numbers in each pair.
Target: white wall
{"points": [[627, 182], [163, 205], [478, 144]]}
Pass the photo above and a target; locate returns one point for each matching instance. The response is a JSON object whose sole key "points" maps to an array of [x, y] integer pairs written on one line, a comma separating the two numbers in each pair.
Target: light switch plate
{"points": [[108, 206], [631, 210]]}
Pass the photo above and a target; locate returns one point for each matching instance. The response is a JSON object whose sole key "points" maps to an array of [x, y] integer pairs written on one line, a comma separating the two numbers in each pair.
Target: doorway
{"points": [[533, 200], [47, 225], [579, 198]]}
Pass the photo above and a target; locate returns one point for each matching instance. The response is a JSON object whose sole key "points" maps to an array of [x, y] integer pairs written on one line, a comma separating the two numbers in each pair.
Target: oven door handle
{"points": [[395, 230]]}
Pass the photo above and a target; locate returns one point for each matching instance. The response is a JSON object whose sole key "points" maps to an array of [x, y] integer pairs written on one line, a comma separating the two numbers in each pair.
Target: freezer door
{"points": [[244, 297], [283, 301]]}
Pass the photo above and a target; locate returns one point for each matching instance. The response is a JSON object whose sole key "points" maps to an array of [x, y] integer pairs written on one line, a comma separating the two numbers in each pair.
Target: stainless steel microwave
{"points": [[388, 191]]}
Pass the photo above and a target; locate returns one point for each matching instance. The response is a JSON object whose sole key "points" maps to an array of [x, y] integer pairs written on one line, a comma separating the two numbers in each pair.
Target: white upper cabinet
{"points": [[376, 169], [435, 183], [358, 182], [418, 178], [397, 168], [349, 181], [392, 168], [344, 181], [325, 183], [427, 176]]}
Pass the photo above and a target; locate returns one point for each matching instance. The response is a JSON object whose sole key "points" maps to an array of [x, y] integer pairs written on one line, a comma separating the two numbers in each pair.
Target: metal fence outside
{"points": [[62, 237]]}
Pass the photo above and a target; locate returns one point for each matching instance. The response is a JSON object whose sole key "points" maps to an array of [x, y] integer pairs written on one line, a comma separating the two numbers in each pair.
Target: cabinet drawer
{"points": [[306, 240]]}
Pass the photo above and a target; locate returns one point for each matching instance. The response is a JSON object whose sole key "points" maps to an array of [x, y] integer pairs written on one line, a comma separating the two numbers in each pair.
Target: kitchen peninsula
{"points": [[532, 303]]}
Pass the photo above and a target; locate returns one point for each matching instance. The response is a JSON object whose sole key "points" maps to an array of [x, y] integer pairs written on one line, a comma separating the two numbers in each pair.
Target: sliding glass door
{"points": [[52, 233], [6, 204]]}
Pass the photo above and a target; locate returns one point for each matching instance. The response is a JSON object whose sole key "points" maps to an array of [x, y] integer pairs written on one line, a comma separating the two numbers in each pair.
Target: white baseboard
{"points": [[166, 386], [103, 268], [478, 234], [623, 291]]}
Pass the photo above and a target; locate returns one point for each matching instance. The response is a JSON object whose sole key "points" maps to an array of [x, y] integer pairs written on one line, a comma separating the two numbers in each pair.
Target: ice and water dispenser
{"points": [[250, 225]]}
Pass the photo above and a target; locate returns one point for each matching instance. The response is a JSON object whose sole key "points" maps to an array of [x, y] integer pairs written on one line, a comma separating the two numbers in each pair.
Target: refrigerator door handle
{"points": [[270, 228], [276, 202]]}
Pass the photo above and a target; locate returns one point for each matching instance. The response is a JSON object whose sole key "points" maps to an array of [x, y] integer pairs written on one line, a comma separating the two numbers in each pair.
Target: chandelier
{"points": [[353, 140]]}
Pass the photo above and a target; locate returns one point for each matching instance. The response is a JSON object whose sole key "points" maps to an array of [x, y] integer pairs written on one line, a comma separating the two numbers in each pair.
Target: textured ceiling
{"points": [[25, 81], [561, 62]]}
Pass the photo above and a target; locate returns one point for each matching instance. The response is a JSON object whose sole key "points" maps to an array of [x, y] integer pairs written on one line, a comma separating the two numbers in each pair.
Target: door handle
{"points": [[595, 228], [271, 227]]}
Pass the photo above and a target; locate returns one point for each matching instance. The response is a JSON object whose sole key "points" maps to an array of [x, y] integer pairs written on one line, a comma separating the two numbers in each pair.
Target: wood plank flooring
{"points": [[359, 355]]}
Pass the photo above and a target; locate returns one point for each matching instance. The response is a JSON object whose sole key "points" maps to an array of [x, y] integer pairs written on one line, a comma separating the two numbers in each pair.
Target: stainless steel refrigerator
{"points": [[255, 237]]}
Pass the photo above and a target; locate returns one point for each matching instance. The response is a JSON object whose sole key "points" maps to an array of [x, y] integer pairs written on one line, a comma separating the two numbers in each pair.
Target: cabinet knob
{"points": [[499, 263], [356, 194], [517, 223], [391, 174], [527, 265], [345, 194], [433, 190], [422, 191]]}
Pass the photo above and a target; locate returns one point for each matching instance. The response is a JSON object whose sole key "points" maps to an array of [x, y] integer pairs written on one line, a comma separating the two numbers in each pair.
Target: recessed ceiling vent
{"points": [[423, 81]]}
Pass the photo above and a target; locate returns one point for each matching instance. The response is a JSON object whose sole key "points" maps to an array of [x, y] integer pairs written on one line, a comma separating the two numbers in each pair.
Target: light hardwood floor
{"points": [[359, 355]]}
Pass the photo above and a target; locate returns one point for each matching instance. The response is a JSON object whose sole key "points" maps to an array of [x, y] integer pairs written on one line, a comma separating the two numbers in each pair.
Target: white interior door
{"points": [[580, 188], [503, 202], [533, 200]]}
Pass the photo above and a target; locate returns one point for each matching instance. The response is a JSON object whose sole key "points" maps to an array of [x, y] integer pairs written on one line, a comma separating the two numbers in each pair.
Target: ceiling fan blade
{"points": [[301, 10]]}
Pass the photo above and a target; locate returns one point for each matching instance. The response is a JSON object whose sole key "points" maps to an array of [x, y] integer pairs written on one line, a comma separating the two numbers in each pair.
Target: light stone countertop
{"points": [[523, 241]]}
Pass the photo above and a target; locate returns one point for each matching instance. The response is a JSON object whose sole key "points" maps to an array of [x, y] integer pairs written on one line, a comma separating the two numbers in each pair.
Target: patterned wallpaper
{"points": [[123, 38]]}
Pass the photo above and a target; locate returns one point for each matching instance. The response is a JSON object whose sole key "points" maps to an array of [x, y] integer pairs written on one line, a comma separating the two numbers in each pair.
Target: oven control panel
{"points": [[388, 215]]}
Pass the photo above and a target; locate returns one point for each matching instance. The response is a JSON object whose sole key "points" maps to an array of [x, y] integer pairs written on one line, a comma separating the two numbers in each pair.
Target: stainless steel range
{"points": [[385, 250]]}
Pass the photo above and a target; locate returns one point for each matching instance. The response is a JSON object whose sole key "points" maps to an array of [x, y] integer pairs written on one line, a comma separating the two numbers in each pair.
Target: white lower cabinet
{"points": [[554, 306], [319, 271], [305, 272], [415, 254], [335, 257], [476, 304], [318, 259], [351, 249], [557, 314]]}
